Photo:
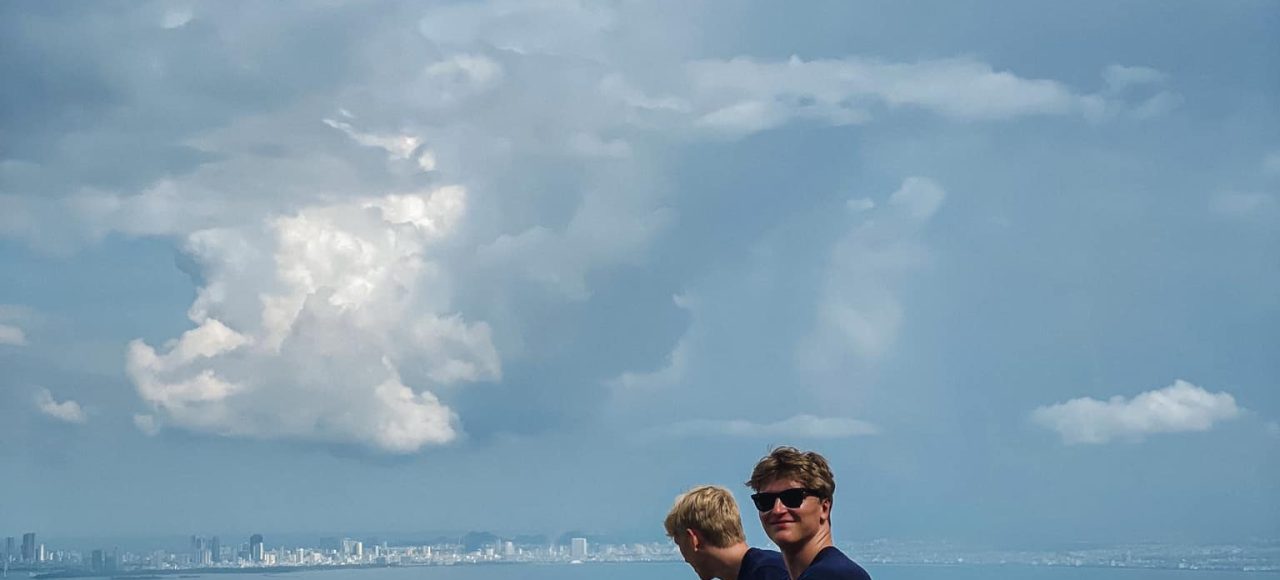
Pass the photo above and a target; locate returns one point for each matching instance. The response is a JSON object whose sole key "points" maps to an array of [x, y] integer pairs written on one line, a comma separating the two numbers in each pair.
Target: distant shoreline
{"points": [[194, 572], [142, 574]]}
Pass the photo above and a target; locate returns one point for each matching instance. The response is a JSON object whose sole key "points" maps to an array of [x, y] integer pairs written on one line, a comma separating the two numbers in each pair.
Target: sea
{"points": [[681, 571]]}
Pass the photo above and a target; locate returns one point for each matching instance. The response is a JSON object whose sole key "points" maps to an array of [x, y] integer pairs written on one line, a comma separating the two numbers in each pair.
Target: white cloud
{"points": [[67, 411], [1236, 204], [1159, 104], [860, 204], [398, 146], [591, 145], [670, 374], [1271, 163], [607, 228], [858, 313], [676, 365], [12, 335], [15, 321], [307, 326], [148, 424], [744, 95], [919, 196], [522, 26], [1180, 407], [176, 17], [1120, 77], [474, 70], [797, 427]]}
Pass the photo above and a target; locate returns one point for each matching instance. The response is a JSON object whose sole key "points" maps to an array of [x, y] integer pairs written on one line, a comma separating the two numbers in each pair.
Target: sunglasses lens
{"points": [[792, 498], [764, 501]]}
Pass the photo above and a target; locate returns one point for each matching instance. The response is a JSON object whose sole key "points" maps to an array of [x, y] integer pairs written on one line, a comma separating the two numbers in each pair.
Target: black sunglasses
{"points": [[791, 498]]}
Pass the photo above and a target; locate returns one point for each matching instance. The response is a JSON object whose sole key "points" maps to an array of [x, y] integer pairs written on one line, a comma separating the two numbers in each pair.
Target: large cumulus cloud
{"points": [[306, 325]]}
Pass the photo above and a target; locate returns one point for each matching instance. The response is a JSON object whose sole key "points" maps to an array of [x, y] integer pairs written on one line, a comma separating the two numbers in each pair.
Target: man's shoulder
{"points": [[832, 564], [760, 564]]}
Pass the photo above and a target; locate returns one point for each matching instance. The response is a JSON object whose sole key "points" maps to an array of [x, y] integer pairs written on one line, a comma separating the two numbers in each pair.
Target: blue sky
{"points": [[541, 266]]}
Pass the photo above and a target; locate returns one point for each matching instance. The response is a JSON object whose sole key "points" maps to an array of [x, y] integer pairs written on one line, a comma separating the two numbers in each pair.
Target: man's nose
{"points": [[778, 508]]}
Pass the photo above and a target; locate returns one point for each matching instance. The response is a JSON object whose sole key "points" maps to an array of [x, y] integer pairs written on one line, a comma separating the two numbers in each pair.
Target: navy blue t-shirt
{"points": [[760, 564], [832, 564]]}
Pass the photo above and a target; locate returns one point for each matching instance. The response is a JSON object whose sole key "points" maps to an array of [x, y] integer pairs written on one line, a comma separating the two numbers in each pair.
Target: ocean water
{"points": [[681, 571]]}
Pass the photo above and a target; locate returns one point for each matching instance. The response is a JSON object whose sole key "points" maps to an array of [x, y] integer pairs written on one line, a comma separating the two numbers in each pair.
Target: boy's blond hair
{"points": [[711, 511]]}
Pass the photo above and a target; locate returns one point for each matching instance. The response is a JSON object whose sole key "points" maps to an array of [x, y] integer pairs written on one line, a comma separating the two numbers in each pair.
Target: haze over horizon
{"points": [[312, 266]]}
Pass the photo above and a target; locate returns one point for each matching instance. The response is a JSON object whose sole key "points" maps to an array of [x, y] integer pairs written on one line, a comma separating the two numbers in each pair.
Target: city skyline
{"points": [[499, 265], [485, 548]]}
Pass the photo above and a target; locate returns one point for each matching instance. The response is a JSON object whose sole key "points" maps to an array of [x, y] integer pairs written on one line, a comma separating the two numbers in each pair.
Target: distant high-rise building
{"points": [[578, 548], [255, 548], [29, 547], [9, 548], [41, 555], [508, 548], [215, 548], [197, 549], [99, 561]]}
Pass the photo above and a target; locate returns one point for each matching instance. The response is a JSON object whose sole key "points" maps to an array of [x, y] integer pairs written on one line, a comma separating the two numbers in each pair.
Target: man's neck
{"points": [[726, 562], [798, 558]]}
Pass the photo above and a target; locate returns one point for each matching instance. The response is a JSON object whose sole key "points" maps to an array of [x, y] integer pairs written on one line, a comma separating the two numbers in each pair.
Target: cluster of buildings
{"points": [[204, 553], [211, 552], [31, 552]]}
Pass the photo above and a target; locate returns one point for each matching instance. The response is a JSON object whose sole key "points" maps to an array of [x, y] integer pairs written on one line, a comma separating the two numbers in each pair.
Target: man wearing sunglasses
{"points": [[794, 491], [705, 525]]}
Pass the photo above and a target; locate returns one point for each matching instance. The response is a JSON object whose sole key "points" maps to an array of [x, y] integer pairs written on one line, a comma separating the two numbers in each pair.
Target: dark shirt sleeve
{"points": [[832, 564], [763, 565], [778, 572]]}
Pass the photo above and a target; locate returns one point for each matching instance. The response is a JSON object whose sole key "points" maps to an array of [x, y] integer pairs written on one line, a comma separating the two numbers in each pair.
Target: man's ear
{"points": [[826, 509], [695, 539]]}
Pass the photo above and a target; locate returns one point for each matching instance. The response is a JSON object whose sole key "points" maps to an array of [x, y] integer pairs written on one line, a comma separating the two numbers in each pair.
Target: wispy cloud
{"points": [[675, 366], [858, 315], [1271, 163], [797, 427], [148, 424], [12, 320], [12, 335], [745, 95], [1243, 205], [67, 411], [1180, 407], [1120, 77]]}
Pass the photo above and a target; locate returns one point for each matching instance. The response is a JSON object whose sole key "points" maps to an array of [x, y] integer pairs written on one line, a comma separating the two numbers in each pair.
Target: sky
{"points": [[1014, 268]]}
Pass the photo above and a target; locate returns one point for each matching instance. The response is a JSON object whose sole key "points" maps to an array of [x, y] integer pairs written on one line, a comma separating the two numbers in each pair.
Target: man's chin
{"points": [[783, 540]]}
